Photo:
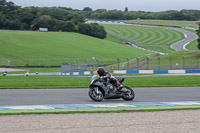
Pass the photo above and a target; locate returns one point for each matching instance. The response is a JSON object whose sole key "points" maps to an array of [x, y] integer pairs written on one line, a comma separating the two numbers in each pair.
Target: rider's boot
{"points": [[119, 87]]}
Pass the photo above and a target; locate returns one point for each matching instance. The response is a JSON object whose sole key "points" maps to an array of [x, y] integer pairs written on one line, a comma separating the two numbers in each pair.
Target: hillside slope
{"points": [[153, 38], [54, 45]]}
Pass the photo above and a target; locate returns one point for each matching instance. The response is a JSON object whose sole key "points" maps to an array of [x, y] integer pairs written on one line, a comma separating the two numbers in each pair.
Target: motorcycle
{"points": [[101, 89]]}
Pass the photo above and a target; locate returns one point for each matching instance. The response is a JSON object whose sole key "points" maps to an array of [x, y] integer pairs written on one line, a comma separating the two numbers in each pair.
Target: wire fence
{"points": [[172, 63], [145, 62]]}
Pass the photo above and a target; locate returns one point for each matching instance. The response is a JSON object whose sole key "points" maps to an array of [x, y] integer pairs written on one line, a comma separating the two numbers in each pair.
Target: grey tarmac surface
{"points": [[136, 122], [80, 96], [190, 36]]}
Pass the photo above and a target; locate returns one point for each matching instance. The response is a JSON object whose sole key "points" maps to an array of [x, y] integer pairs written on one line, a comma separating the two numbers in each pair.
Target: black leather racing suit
{"points": [[109, 78]]}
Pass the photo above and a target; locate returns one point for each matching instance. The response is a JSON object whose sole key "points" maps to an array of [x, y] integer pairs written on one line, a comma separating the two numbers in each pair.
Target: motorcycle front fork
{"points": [[96, 89]]}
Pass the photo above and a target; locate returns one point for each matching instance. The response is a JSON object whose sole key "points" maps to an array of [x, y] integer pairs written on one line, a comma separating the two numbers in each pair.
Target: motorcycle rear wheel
{"points": [[96, 97], [129, 94]]}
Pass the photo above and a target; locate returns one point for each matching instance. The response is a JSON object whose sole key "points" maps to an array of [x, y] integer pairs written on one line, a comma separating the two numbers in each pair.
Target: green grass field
{"points": [[167, 22], [148, 37], [43, 82], [194, 44], [40, 48]]}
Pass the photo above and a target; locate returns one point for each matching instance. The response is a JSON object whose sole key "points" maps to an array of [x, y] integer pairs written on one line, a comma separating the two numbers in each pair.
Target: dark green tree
{"points": [[7, 7], [2, 4], [198, 33], [44, 21], [85, 29], [92, 30], [2, 21], [25, 17], [87, 9], [69, 27], [126, 9]]}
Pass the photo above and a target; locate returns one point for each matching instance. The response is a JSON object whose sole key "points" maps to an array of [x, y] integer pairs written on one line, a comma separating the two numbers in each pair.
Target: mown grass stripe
{"points": [[147, 35]]}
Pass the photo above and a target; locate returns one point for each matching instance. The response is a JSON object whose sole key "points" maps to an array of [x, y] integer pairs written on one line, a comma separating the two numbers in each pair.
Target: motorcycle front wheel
{"points": [[128, 94], [97, 97]]}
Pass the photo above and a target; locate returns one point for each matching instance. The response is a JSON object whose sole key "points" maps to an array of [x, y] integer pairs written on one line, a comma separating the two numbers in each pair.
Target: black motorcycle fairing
{"points": [[113, 96], [108, 90], [102, 86]]}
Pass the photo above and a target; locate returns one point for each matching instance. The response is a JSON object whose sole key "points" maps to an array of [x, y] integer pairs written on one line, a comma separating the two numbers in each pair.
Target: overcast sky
{"points": [[133, 5]]}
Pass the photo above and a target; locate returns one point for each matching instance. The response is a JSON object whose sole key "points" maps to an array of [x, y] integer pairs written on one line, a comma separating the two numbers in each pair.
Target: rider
{"points": [[107, 76], [5, 73]]}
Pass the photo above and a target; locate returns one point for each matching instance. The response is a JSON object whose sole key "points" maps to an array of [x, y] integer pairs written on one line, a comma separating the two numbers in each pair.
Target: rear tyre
{"points": [[128, 94], [94, 96]]}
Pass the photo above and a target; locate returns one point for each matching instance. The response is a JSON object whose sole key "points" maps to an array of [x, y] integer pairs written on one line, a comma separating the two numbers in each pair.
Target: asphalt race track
{"points": [[180, 45], [10, 97]]}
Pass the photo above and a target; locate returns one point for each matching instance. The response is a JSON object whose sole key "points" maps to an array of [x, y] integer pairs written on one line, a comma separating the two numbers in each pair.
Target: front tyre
{"points": [[97, 97], [128, 93]]}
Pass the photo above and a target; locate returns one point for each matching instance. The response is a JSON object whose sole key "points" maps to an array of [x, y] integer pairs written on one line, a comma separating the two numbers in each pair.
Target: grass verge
{"points": [[100, 110], [47, 82]]}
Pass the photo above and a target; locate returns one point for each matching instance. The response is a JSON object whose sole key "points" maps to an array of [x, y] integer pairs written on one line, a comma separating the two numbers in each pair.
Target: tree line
{"points": [[13, 17], [73, 20], [190, 15]]}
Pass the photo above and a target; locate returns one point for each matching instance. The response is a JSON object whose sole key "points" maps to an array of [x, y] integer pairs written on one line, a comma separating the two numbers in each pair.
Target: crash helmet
{"points": [[100, 71]]}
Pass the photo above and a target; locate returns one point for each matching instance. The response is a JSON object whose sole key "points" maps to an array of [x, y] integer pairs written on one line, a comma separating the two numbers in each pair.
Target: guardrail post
{"points": [[8, 62], [93, 63], [170, 61], [147, 63], [137, 63], [85, 64], [97, 63], [183, 62], [158, 63], [118, 62], [90, 66], [197, 58], [127, 63]]}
